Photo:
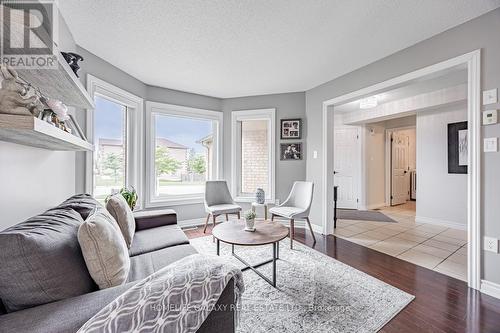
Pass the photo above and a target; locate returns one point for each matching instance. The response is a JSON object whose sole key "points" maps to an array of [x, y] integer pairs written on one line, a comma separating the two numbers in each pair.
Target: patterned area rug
{"points": [[315, 293], [363, 215]]}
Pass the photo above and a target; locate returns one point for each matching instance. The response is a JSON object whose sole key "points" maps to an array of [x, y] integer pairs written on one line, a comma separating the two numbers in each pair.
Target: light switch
{"points": [[490, 145], [315, 154], [490, 117], [490, 96]]}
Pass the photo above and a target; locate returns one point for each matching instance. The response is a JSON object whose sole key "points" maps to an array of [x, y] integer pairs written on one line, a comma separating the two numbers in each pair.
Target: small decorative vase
{"points": [[250, 225], [260, 196]]}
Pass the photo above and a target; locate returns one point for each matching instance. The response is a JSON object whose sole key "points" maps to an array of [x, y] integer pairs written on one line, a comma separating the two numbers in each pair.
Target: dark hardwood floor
{"points": [[442, 303]]}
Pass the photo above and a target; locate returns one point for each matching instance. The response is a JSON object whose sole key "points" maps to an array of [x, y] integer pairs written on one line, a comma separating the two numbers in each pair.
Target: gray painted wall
{"points": [[291, 105], [480, 33], [435, 184], [111, 74], [169, 96]]}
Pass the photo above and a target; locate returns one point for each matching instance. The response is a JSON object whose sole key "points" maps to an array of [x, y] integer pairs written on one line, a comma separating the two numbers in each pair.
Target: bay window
{"points": [[110, 154], [183, 151], [115, 127]]}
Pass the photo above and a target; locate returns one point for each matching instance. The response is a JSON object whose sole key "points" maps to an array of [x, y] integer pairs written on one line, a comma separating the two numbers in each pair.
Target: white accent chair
{"points": [[218, 201], [296, 207]]}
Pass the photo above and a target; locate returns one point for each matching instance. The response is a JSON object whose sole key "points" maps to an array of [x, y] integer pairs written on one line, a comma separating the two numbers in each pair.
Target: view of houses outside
{"points": [[109, 155], [183, 155], [183, 152]]}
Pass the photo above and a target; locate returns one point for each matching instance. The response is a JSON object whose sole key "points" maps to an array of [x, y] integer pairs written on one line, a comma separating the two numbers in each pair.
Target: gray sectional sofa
{"points": [[44, 282]]}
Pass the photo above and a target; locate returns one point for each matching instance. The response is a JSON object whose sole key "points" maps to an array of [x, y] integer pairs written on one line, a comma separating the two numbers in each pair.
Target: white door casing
{"points": [[346, 161], [400, 182], [473, 62]]}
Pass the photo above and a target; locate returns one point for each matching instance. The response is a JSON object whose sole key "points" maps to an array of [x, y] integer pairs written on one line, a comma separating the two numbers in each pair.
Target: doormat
{"points": [[363, 215]]}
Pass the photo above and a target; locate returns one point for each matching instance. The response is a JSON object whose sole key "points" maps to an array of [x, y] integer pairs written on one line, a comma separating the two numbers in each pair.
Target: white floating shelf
{"points": [[31, 131], [60, 83]]}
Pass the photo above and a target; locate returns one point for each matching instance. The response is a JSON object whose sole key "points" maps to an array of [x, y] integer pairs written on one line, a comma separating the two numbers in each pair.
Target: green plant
{"points": [[164, 163], [250, 215], [114, 163], [130, 196], [196, 164]]}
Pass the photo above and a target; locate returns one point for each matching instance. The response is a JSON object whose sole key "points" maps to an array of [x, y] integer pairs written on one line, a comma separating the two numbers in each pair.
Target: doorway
{"points": [[401, 173], [471, 61], [434, 235], [346, 169]]}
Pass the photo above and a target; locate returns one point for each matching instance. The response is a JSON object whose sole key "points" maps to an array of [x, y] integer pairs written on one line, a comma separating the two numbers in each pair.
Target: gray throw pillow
{"points": [[104, 250], [121, 212], [41, 261]]}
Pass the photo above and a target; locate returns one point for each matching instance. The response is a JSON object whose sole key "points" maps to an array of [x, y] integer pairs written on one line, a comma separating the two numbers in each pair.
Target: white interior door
{"points": [[400, 168], [346, 165]]}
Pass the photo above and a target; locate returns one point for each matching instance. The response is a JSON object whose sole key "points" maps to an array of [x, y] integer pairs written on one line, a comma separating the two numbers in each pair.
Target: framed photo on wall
{"points": [[291, 129], [291, 151], [457, 147]]}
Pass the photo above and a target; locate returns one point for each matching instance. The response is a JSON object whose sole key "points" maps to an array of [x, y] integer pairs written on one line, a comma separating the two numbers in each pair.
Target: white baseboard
{"points": [[201, 221], [375, 206], [445, 223], [301, 224], [317, 228], [490, 288], [192, 223]]}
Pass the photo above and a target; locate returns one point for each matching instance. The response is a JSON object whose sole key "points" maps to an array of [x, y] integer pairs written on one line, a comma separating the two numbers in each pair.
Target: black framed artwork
{"points": [[291, 129], [457, 147], [291, 151]]}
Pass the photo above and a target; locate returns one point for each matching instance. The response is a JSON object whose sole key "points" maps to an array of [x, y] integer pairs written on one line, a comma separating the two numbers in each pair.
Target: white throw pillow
{"points": [[104, 250], [119, 209]]}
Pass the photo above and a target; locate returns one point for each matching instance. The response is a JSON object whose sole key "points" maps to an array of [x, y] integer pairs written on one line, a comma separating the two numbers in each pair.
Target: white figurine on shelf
{"points": [[14, 95], [59, 109]]}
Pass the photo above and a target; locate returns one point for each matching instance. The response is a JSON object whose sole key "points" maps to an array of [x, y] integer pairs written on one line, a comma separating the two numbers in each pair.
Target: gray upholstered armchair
{"points": [[296, 207], [218, 201]]}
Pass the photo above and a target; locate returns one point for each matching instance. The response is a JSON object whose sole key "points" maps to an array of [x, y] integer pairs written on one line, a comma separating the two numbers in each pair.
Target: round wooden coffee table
{"points": [[266, 232]]}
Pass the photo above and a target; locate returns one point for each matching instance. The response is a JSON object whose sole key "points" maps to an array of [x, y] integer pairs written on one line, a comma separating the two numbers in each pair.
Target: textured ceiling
{"points": [[229, 48]]}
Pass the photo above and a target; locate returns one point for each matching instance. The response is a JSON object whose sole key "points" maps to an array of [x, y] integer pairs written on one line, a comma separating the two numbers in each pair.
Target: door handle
{"points": [[335, 172], [406, 171]]}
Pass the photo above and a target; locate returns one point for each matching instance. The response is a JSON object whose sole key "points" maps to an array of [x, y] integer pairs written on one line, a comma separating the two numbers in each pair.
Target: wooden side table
{"points": [[255, 205]]}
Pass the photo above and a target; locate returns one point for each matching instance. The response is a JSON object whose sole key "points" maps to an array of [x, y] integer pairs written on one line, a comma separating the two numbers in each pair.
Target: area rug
{"points": [[315, 293], [363, 215]]}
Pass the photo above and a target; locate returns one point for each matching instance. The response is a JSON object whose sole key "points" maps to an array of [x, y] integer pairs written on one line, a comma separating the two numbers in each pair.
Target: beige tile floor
{"points": [[435, 247]]}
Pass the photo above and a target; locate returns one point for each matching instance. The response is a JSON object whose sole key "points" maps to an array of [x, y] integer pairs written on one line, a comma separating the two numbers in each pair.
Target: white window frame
{"points": [[258, 114], [134, 133], [154, 108]]}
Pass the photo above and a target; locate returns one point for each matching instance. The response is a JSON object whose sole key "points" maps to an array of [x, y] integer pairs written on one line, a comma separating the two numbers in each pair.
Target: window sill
{"points": [[174, 202], [250, 200]]}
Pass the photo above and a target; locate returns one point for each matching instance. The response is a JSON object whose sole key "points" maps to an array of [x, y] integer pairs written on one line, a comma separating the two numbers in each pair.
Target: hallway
{"points": [[439, 248]]}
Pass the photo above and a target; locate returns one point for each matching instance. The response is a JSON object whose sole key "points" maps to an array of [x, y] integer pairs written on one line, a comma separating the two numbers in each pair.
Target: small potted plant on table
{"points": [[250, 220]]}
